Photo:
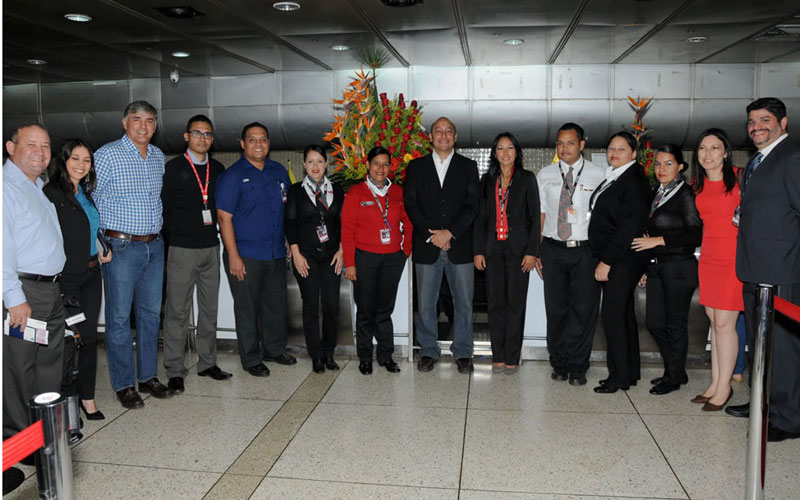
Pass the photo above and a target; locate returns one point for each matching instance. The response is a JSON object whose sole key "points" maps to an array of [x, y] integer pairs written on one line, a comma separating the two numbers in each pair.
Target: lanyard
{"points": [[203, 189], [502, 197], [384, 214], [574, 183]]}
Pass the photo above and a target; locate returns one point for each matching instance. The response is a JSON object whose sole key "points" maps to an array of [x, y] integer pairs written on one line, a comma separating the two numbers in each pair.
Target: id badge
{"points": [[322, 233], [572, 215], [207, 217], [386, 236], [736, 214], [502, 234]]}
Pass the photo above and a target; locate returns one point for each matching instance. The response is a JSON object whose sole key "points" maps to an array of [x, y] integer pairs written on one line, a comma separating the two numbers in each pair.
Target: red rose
{"points": [[364, 160], [383, 126], [409, 127], [393, 139], [382, 95], [649, 154], [398, 112], [406, 137], [413, 104], [382, 136], [400, 98], [416, 154], [647, 145], [387, 110], [392, 149], [396, 130], [402, 105], [411, 119], [377, 143]]}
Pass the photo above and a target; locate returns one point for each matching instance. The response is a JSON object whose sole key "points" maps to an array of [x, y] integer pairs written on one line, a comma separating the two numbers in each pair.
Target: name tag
{"points": [[207, 217], [572, 215], [386, 236], [367, 203], [322, 233]]}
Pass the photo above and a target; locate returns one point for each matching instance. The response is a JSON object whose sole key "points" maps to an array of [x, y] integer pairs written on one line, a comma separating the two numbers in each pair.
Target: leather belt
{"points": [[568, 243], [133, 237], [669, 258], [39, 277]]}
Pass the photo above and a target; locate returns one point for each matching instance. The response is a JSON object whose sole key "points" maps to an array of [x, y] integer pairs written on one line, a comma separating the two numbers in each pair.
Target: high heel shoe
{"points": [[709, 406], [98, 415], [700, 399]]}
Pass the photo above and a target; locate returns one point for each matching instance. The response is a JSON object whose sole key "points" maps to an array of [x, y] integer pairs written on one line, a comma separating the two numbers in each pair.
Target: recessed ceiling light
{"points": [[180, 53], [340, 48], [78, 18], [286, 6], [37, 62], [697, 39], [514, 41], [180, 11]]}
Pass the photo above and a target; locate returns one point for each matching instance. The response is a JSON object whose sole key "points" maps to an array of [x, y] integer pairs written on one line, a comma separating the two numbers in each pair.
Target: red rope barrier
{"points": [[785, 307], [22, 444]]}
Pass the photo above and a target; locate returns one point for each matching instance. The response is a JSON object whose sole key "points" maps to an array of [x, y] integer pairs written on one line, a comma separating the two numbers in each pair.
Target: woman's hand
{"points": [[538, 267], [643, 281], [601, 271], [528, 263], [480, 262], [647, 242], [106, 259], [338, 261], [350, 273], [300, 262]]}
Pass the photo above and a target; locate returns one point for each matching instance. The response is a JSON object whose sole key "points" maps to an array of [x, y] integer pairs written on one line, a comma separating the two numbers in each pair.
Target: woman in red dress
{"points": [[717, 199]]}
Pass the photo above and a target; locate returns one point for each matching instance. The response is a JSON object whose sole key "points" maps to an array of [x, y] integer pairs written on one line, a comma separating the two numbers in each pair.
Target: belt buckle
{"points": [[571, 243]]}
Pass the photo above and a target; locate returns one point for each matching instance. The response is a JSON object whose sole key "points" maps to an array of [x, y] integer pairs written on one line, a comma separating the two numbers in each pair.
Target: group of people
{"points": [[115, 217]]}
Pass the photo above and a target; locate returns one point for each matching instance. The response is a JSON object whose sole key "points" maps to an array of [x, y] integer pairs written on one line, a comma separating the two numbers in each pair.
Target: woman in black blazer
{"points": [[70, 190], [674, 231], [506, 244], [313, 230], [618, 211]]}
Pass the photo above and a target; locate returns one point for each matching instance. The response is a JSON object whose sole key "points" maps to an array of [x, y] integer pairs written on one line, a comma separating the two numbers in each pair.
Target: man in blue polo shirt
{"points": [[250, 201]]}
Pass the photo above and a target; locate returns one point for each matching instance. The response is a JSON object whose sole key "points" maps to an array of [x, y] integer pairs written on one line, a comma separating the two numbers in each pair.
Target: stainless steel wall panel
{"points": [[229, 120], [727, 114], [509, 82], [393, 81], [580, 82], [105, 126], [305, 124], [669, 119], [440, 83], [173, 124], [62, 126], [147, 89], [459, 112], [20, 99], [188, 92], [652, 80], [85, 96], [592, 115], [779, 80], [306, 87], [256, 90], [525, 119], [718, 81]]}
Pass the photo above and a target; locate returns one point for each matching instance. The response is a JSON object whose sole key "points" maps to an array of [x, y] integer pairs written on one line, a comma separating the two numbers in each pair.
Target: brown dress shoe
{"points": [[129, 398], [156, 388]]}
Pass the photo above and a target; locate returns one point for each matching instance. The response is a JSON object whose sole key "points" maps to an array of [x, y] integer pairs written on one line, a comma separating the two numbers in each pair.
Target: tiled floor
{"points": [[439, 435]]}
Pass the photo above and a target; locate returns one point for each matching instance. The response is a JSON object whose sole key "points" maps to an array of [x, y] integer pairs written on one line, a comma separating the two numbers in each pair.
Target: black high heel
{"points": [[98, 415]]}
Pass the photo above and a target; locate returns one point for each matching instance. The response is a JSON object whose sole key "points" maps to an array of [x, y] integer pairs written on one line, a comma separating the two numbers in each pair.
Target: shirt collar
{"points": [[764, 152], [613, 174], [195, 159], [437, 160], [131, 146], [17, 176]]}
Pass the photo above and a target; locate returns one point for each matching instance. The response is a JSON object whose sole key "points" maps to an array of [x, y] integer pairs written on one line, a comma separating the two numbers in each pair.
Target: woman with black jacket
{"points": [[506, 239], [70, 190], [313, 230], [674, 230]]}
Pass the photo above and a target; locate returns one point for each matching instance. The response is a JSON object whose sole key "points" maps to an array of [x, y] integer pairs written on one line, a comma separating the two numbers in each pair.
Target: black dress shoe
{"points": [[156, 388], [658, 380], [559, 374], [282, 359], [365, 367], [603, 381], [738, 410], [12, 478], [330, 363], [464, 365], [577, 379], [258, 371], [608, 388], [216, 373], [664, 387], [98, 415], [129, 398], [775, 434], [425, 363], [318, 365], [175, 385], [390, 365]]}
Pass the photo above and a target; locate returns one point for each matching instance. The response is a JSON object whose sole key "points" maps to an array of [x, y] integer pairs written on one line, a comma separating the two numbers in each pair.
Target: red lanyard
{"points": [[501, 202], [203, 189], [384, 214]]}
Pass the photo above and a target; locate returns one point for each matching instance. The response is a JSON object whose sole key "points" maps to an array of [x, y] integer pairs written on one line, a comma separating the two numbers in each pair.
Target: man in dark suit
{"points": [[768, 251], [441, 198]]}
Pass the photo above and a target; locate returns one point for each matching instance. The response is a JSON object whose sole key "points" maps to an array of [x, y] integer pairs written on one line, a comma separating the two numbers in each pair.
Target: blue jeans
{"points": [[461, 278], [134, 276]]}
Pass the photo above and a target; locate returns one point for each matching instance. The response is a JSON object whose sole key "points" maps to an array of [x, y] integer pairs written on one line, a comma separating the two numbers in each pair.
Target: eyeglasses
{"points": [[198, 134]]}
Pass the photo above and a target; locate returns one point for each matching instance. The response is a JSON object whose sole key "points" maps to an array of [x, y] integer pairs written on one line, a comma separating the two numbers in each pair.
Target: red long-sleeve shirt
{"points": [[362, 222]]}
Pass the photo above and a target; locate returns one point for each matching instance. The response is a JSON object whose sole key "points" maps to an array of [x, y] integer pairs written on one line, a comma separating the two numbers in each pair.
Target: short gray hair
{"points": [[137, 106]]}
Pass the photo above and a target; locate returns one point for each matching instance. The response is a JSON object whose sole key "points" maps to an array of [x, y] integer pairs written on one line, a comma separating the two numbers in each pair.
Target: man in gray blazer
{"points": [[768, 251]]}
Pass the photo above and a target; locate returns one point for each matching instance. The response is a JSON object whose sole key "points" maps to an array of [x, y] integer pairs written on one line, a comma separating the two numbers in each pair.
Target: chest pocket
{"points": [[255, 193]]}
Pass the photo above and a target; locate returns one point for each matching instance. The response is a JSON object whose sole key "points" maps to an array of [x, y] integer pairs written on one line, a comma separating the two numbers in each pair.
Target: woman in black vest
{"points": [[313, 230], [674, 230], [70, 190]]}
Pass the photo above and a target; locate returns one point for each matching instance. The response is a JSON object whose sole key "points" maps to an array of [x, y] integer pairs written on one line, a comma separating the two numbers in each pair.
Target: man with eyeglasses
{"points": [[190, 232], [251, 196]]}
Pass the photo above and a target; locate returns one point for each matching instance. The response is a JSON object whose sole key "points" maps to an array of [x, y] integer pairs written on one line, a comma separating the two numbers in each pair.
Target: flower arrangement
{"points": [[371, 119], [640, 106]]}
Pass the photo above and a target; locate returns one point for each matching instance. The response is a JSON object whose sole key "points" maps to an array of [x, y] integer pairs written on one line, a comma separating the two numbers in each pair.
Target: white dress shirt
{"points": [[550, 185], [442, 165]]}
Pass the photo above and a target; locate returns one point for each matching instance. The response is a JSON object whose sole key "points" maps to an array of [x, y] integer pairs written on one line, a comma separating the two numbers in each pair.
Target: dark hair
{"points": [[494, 164], [572, 126], [771, 104], [675, 151], [137, 106], [314, 147], [254, 125], [61, 175], [15, 130], [628, 137], [198, 118], [377, 151], [728, 175]]}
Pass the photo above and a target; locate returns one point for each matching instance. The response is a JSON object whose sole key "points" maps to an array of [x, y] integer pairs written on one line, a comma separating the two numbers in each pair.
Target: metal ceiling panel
{"points": [[440, 47], [320, 45], [651, 80], [488, 49], [430, 15], [756, 51], [542, 13]]}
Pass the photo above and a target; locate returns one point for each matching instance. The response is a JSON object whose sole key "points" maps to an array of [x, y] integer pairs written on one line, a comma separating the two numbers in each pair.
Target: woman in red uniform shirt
{"points": [[376, 239]]}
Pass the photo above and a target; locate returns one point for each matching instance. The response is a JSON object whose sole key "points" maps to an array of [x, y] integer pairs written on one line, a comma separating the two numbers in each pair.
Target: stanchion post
{"points": [[759, 395], [54, 459], [410, 265]]}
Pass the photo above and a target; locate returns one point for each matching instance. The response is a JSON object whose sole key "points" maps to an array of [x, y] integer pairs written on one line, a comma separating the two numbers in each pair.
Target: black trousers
{"points": [[784, 395], [323, 281], [259, 307], [670, 286], [375, 290], [506, 297], [87, 287], [619, 323], [572, 303]]}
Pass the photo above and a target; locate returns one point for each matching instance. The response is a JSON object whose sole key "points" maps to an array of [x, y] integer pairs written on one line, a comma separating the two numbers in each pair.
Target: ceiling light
{"points": [[286, 6], [697, 39], [180, 11], [78, 18], [37, 62], [339, 48], [180, 53], [514, 41]]}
